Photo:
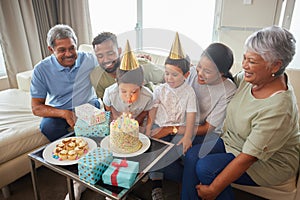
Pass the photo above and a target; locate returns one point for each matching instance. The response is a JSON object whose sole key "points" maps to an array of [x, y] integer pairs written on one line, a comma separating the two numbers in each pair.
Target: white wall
{"points": [[238, 20], [295, 29]]}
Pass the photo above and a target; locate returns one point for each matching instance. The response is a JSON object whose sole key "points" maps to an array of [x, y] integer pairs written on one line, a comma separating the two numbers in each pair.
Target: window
{"points": [[192, 19], [2, 63], [295, 29], [114, 16]]}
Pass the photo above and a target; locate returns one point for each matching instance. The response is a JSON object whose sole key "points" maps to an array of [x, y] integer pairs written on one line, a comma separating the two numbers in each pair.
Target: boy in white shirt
{"points": [[175, 105]]}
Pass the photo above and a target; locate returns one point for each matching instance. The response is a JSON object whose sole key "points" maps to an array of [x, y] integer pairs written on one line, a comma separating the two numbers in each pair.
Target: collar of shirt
{"points": [[62, 68]]}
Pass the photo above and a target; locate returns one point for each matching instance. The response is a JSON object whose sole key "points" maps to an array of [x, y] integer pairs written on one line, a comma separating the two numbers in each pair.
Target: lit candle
{"points": [[122, 119]]}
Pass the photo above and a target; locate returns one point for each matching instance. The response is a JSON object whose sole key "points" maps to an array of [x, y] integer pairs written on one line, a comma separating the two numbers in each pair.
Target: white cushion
{"points": [[294, 75], [24, 79], [19, 128], [286, 190], [86, 48]]}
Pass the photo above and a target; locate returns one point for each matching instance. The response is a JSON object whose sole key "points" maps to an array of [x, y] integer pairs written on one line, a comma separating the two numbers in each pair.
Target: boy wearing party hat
{"points": [[174, 106], [128, 94]]}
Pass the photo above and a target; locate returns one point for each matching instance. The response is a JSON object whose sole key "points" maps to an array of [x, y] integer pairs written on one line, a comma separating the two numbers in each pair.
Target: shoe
{"points": [[157, 194], [78, 190]]}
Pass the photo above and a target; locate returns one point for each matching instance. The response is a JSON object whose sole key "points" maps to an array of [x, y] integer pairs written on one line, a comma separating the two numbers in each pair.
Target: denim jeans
{"points": [[170, 166], [54, 127], [157, 172], [199, 167]]}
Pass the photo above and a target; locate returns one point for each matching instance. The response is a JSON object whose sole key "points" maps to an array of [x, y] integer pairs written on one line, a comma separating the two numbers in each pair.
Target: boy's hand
{"points": [[146, 56], [186, 143], [142, 129]]}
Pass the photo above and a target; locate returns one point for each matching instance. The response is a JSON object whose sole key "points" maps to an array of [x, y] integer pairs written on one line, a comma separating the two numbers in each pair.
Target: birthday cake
{"points": [[124, 135]]}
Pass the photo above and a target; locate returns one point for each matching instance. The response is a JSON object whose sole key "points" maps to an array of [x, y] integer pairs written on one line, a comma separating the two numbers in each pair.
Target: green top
{"points": [[100, 80], [266, 129]]}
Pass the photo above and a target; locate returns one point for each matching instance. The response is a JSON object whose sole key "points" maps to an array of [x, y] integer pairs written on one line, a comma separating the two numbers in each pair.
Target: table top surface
{"points": [[147, 160]]}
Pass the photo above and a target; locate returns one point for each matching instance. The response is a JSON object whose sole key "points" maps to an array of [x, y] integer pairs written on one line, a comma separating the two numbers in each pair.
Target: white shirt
{"points": [[173, 104], [112, 98], [212, 99]]}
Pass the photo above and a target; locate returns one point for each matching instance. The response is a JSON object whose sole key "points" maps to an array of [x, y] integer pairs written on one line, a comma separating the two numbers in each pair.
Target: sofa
{"points": [[19, 128], [20, 134]]}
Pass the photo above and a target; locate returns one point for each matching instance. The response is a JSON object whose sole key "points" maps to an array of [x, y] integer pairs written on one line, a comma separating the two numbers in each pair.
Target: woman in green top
{"points": [[261, 139]]}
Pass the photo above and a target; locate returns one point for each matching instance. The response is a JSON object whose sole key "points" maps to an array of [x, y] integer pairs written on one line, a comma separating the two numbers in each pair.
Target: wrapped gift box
{"points": [[121, 173], [90, 114], [93, 164], [81, 128]]}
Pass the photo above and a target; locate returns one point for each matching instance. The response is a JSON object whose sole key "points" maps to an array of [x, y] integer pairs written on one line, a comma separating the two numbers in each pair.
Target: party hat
{"points": [[176, 50], [129, 61]]}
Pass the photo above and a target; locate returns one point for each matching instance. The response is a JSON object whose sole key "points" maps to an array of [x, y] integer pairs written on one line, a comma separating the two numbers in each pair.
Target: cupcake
{"points": [[71, 146], [63, 155], [83, 145], [57, 150], [79, 151], [66, 140], [72, 155], [61, 145], [78, 141]]}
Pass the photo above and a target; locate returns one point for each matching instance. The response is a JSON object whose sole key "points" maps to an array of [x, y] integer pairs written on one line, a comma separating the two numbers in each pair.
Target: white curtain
{"points": [[76, 14], [19, 38], [25, 23]]}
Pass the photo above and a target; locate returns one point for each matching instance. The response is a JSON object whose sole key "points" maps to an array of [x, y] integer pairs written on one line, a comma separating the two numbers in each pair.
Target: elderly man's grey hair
{"points": [[60, 31]]}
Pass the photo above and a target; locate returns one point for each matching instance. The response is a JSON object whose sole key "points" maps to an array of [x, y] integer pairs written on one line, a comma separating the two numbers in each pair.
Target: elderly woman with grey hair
{"points": [[260, 141]]}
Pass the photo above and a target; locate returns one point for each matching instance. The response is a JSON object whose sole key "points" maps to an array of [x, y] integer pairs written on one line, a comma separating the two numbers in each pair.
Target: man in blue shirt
{"points": [[62, 78]]}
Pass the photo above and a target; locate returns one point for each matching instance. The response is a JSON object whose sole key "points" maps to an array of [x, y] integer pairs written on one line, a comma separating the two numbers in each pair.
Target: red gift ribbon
{"points": [[113, 176]]}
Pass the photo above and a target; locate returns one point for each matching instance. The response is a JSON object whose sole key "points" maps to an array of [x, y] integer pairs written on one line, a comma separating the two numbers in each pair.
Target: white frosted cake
{"points": [[124, 135]]}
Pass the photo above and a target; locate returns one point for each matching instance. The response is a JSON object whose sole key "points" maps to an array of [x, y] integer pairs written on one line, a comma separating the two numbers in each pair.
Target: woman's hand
{"points": [[229, 174], [206, 192]]}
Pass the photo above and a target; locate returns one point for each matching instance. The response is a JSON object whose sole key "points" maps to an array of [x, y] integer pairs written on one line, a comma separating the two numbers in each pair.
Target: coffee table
{"points": [[147, 160]]}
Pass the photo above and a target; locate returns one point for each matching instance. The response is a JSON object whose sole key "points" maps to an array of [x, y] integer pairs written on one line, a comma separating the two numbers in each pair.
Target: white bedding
{"points": [[19, 128]]}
